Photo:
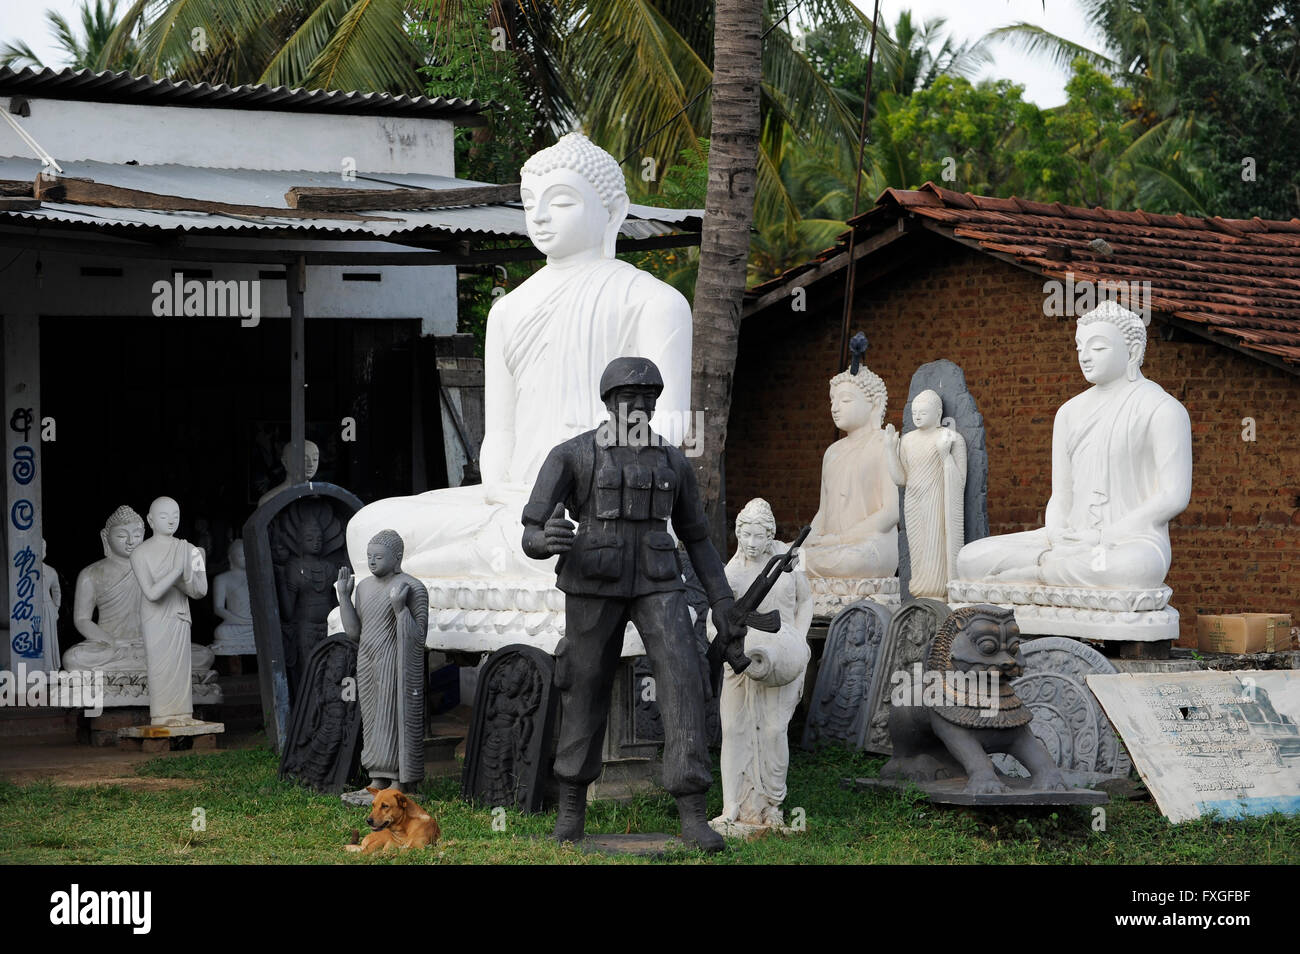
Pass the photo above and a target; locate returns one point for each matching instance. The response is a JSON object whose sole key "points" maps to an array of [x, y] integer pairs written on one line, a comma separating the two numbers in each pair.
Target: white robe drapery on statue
{"points": [[548, 342], [165, 625]]}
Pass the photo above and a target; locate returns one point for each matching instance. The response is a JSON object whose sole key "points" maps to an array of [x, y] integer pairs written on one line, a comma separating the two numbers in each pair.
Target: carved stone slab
{"points": [[949, 382], [322, 746], [833, 594], [906, 643], [1225, 742], [508, 751], [837, 709], [1067, 716], [264, 569]]}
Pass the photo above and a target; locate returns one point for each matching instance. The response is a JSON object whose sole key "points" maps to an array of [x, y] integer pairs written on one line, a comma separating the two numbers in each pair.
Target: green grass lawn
{"points": [[253, 818]]}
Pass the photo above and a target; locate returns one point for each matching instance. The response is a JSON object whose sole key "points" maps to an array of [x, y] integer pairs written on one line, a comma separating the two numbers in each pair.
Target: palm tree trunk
{"points": [[724, 243]]}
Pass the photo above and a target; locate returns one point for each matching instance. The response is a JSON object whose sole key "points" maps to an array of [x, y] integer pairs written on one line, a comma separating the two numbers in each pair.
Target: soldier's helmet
{"points": [[630, 372]]}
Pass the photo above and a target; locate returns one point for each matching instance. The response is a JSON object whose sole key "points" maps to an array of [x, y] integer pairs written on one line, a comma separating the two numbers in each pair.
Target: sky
{"points": [[967, 20]]}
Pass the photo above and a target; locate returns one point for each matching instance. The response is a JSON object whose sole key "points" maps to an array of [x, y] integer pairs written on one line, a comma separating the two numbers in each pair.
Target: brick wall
{"points": [[1236, 548]]}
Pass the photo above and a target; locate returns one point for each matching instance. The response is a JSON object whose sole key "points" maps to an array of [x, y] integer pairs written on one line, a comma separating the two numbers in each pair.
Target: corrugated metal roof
{"points": [[268, 188], [107, 87]]}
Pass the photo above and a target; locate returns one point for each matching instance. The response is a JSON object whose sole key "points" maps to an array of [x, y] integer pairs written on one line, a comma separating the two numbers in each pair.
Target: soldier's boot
{"points": [[571, 821], [695, 823]]}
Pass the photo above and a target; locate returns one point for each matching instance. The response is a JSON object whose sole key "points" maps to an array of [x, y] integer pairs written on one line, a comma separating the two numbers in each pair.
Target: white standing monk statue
{"points": [[170, 572], [930, 462], [311, 462], [548, 342], [106, 604], [232, 604], [1121, 470], [854, 536], [757, 704]]}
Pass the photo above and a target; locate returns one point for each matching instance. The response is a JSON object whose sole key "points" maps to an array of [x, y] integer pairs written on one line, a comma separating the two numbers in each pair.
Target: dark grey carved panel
{"points": [[509, 748], [837, 710], [1067, 716], [949, 382], [910, 633], [322, 745], [273, 543]]}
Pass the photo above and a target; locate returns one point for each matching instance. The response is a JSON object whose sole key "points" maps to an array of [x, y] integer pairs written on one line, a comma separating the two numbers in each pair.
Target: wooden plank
{"points": [[16, 187], [18, 204], [77, 191], [324, 199], [33, 640]]}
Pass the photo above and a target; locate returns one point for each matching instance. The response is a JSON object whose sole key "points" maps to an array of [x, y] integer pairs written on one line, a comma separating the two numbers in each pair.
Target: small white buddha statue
{"points": [[170, 572], [548, 341], [1121, 470], [930, 462], [232, 604], [855, 532]]}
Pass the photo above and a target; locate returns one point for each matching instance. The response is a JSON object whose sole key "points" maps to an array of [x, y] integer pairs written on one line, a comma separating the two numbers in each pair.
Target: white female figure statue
{"points": [[548, 341], [930, 462], [170, 572], [855, 532], [756, 705]]}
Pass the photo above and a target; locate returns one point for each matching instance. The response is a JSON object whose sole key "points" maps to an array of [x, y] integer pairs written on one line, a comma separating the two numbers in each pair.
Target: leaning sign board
{"points": [[1225, 742]]}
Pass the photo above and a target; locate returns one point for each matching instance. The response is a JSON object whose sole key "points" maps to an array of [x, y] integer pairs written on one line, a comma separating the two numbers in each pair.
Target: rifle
{"points": [[743, 614]]}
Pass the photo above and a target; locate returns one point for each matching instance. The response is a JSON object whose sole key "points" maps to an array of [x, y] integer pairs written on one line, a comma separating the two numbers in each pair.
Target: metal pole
{"points": [[296, 286]]}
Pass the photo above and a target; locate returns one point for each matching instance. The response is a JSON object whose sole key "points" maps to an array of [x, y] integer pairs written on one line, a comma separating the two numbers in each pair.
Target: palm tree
{"points": [[724, 245], [1145, 39], [89, 50]]}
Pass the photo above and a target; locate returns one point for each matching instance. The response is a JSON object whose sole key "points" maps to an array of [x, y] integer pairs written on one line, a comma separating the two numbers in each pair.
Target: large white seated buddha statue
{"points": [[1121, 470], [852, 551], [548, 341]]}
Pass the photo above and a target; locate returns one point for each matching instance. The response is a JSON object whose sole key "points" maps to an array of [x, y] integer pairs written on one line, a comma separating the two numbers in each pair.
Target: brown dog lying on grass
{"points": [[395, 822]]}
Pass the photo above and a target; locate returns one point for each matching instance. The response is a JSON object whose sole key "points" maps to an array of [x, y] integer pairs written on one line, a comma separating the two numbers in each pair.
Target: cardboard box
{"points": [[1277, 630], [1244, 633]]}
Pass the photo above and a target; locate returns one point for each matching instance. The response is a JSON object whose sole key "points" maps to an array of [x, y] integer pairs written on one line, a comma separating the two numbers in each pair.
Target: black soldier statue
{"points": [[624, 483]]}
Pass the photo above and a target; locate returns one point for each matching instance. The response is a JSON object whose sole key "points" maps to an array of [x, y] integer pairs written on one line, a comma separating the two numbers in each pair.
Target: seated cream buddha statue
{"points": [[548, 341], [106, 606], [853, 546], [1121, 470]]}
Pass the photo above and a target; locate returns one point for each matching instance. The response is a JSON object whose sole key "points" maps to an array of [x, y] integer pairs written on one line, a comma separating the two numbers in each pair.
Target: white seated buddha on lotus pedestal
{"points": [[548, 341], [1121, 470], [852, 552]]}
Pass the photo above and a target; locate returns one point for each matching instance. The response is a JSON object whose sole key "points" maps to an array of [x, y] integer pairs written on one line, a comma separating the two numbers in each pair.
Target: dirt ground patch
{"points": [[63, 761]]}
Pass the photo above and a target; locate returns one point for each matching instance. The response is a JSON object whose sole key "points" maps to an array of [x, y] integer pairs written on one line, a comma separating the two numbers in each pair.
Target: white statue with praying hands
{"points": [[548, 342], [930, 463], [171, 573], [1121, 471], [233, 606], [106, 612], [756, 705], [852, 551]]}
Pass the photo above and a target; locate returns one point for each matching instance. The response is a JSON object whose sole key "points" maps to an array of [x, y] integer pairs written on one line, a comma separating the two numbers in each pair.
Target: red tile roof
{"points": [[1239, 278]]}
